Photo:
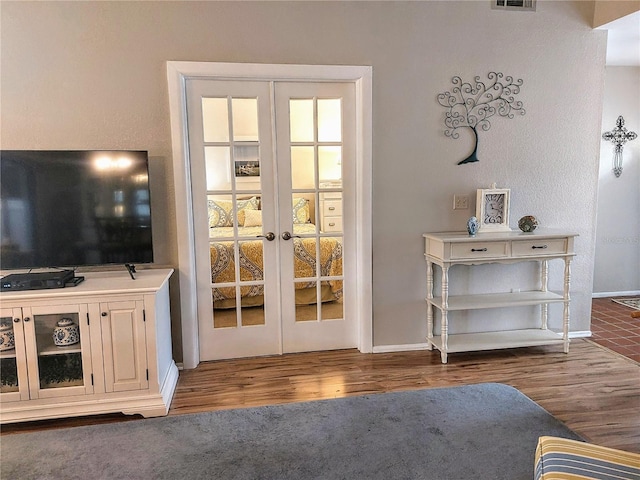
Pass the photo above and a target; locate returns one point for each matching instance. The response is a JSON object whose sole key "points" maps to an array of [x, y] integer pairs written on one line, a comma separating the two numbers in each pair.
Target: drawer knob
{"points": [[542, 246], [478, 249], [332, 208], [332, 224]]}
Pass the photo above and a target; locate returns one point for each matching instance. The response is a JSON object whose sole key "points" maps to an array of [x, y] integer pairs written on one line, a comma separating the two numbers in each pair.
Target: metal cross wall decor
{"points": [[619, 136]]}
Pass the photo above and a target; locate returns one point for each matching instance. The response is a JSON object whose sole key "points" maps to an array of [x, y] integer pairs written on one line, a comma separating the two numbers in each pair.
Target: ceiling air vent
{"points": [[526, 5]]}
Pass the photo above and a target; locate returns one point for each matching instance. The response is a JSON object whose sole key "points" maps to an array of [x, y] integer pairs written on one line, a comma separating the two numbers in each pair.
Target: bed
{"points": [[221, 220]]}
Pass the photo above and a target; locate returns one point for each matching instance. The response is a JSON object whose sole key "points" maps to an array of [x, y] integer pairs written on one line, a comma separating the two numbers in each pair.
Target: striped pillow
{"points": [[559, 459]]}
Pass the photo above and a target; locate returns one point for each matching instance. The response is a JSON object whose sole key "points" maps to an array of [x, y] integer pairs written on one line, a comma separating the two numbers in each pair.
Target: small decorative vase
{"points": [[7, 340], [472, 226], [66, 333], [528, 223]]}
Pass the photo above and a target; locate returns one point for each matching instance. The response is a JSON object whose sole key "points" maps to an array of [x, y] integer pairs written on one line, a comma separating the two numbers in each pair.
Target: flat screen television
{"points": [[74, 208]]}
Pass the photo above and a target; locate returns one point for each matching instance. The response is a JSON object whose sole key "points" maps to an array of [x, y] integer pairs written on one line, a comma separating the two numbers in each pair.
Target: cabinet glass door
{"points": [[58, 350], [13, 366]]}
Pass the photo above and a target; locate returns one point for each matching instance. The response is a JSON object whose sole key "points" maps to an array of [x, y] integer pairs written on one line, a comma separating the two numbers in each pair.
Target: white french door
{"points": [[272, 174]]}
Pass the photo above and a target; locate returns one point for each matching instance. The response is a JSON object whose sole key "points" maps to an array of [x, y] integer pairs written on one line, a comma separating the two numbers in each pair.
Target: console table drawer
{"points": [[479, 250], [524, 248]]}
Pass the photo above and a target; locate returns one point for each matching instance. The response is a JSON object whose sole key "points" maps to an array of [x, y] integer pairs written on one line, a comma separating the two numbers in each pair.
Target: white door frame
{"points": [[361, 76]]}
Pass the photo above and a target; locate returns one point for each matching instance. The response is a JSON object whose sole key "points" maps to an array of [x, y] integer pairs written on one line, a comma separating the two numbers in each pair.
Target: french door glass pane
{"points": [[215, 119], [253, 316], [302, 167], [217, 164], [332, 310], [247, 160], [330, 120], [330, 164], [301, 120], [305, 260], [245, 119], [306, 301]]}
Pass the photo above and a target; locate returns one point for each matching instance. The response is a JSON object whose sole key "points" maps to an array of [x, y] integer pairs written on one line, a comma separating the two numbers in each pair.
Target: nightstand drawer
{"points": [[332, 224], [479, 250], [332, 208], [532, 247]]}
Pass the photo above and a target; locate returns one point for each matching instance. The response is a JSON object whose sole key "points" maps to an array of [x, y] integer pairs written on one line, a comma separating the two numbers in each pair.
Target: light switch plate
{"points": [[461, 202]]}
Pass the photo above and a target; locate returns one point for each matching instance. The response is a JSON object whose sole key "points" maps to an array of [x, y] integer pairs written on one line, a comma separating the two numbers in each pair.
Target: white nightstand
{"points": [[331, 211]]}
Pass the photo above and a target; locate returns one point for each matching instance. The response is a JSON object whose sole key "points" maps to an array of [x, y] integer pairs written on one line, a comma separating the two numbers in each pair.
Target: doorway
{"points": [[271, 189]]}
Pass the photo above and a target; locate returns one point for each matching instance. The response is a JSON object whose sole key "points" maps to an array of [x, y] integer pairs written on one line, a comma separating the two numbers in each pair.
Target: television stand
{"points": [[120, 359]]}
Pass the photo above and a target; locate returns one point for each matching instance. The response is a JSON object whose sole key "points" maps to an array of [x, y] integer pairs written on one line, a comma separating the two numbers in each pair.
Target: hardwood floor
{"points": [[593, 390]]}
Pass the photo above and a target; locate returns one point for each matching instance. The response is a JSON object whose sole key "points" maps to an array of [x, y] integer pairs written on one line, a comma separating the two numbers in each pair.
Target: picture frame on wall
{"points": [[492, 209], [247, 168]]}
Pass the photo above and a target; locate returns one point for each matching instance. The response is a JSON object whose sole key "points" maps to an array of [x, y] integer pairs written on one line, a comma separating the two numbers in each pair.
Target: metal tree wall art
{"points": [[618, 136], [471, 105]]}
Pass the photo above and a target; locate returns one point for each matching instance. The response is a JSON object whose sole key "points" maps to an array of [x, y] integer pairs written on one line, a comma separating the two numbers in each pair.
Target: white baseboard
{"points": [[615, 294], [399, 348], [583, 334]]}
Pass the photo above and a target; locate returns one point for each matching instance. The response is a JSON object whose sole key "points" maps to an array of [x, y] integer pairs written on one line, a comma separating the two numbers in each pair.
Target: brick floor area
{"points": [[613, 327]]}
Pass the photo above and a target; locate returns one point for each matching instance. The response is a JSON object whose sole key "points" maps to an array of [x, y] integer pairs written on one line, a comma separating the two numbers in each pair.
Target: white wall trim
{"points": [[177, 73], [615, 294], [410, 347], [580, 334]]}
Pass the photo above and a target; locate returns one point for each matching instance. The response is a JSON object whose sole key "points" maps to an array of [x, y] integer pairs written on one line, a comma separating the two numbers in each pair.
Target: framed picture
{"points": [[492, 209], [247, 168]]}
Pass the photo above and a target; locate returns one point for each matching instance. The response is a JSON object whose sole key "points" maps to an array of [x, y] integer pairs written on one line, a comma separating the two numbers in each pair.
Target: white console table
{"points": [[457, 248], [122, 361]]}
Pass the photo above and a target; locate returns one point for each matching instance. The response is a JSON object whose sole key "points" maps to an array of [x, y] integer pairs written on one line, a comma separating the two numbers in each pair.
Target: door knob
{"points": [[269, 236], [288, 236]]}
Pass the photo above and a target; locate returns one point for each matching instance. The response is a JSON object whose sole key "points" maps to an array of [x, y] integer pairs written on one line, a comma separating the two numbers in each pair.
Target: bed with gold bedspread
{"points": [[251, 266]]}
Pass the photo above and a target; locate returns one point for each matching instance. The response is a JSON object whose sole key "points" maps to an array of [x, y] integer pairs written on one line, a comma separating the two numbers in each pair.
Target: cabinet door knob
{"points": [[104, 314], [16, 320], [26, 319]]}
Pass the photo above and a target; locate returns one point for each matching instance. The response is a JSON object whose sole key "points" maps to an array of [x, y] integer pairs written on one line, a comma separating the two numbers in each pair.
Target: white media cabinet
{"points": [[123, 362], [449, 249]]}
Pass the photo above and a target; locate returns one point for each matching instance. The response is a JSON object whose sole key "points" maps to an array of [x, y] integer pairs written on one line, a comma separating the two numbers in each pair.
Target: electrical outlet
{"points": [[461, 202]]}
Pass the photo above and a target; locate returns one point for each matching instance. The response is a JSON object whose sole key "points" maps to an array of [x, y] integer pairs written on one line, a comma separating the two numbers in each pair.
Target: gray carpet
{"points": [[486, 431]]}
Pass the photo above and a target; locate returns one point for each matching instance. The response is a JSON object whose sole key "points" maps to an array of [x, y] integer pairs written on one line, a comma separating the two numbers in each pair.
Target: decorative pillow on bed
{"points": [[300, 210], [252, 218], [221, 211]]}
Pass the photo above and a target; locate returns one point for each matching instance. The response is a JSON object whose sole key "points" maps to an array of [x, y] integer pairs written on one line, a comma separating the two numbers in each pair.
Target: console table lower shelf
{"points": [[469, 342]]}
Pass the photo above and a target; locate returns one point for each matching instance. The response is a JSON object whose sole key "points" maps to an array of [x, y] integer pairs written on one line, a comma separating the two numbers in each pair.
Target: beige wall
{"points": [[606, 11], [617, 254], [92, 75]]}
